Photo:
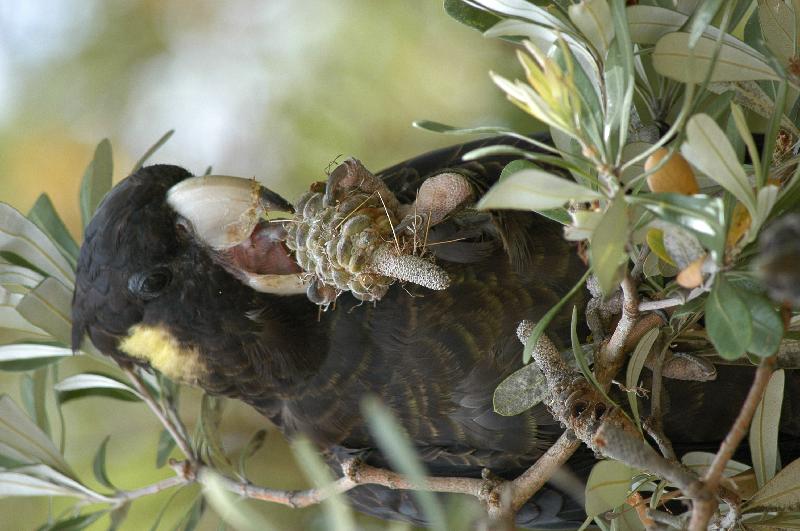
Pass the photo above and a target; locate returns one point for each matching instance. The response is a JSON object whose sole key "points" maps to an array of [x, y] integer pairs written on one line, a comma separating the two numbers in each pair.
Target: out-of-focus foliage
{"points": [[271, 89]]}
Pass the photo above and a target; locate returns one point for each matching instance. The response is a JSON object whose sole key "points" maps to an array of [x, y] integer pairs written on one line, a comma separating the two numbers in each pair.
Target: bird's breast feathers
{"points": [[162, 350]]}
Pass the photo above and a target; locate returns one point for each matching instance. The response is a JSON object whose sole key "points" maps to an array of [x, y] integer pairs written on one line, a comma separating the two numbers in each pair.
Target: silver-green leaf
{"points": [[535, 190], [608, 486], [593, 19], [764, 429], [708, 148], [21, 434], [781, 493], [21, 237], [90, 384], [608, 241], [674, 58], [96, 180], [49, 306]]}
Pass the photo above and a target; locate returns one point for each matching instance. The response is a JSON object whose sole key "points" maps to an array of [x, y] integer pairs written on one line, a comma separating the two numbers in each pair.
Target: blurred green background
{"points": [[275, 90]]}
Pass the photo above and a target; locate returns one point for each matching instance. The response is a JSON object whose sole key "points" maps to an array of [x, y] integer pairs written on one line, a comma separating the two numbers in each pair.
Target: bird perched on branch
{"points": [[150, 291]]}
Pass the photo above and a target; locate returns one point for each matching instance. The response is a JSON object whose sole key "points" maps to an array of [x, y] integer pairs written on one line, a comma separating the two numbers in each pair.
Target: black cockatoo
{"points": [[149, 292]]}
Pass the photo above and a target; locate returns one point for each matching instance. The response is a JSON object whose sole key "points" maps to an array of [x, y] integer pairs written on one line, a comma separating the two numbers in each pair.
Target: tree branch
{"points": [[611, 356], [168, 483], [704, 510], [533, 479]]}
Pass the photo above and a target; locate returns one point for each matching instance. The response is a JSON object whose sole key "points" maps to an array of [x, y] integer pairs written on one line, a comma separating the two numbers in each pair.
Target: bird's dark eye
{"points": [[149, 284]]}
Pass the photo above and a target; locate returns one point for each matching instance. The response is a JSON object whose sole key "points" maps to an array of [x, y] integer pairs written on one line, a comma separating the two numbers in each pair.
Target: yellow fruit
{"points": [[674, 176]]}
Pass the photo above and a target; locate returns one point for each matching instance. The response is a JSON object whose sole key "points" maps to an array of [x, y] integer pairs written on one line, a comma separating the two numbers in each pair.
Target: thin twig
{"points": [[533, 479], [654, 424], [704, 510], [175, 432], [168, 483], [671, 302], [355, 473]]}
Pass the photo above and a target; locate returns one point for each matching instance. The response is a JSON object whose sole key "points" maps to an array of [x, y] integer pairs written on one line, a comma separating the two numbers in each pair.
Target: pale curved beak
{"points": [[223, 210]]}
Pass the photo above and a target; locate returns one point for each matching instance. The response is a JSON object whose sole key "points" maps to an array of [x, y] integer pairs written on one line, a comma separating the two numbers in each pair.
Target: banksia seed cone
{"points": [[343, 236]]}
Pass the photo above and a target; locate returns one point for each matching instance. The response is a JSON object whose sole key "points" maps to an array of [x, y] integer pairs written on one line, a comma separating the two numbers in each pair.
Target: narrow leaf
{"points": [[535, 190], [649, 23], [544, 322], [152, 149], [524, 10], [607, 251], [96, 180], [621, 79], [253, 445], [19, 432], [469, 15], [94, 384], [771, 133], [18, 279], [701, 18], [49, 306], [166, 444], [16, 484], [210, 421], [778, 27], [783, 521], [781, 493], [337, 511], [396, 446], [593, 19], [99, 465], [233, 509], [193, 516], [635, 366], [74, 523], [21, 237], [22, 357], [438, 127], [708, 148], [700, 462], [764, 429], [44, 215], [543, 37], [34, 396], [674, 58], [13, 327]]}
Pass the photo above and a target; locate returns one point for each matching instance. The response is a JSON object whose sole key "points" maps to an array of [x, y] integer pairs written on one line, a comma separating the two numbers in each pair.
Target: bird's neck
{"points": [[266, 350]]}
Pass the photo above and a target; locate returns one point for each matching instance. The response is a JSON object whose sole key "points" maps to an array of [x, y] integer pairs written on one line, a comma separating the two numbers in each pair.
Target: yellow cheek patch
{"points": [[160, 348]]}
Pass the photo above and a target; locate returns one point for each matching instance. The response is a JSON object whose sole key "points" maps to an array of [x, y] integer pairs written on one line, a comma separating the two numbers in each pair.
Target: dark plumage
{"points": [[434, 358]]}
